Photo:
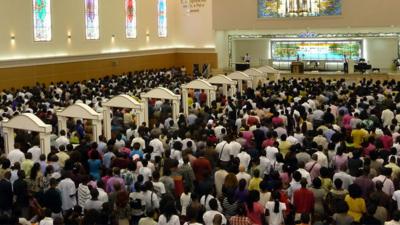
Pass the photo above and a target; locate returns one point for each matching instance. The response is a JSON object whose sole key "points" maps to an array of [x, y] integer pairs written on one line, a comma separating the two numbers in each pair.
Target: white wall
{"points": [[184, 31], [257, 49]]}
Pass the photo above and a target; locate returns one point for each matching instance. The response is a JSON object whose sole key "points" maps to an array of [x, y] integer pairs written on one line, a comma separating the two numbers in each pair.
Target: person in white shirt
{"points": [[62, 140], [304, 173], [145, 171], [275, 210], [223, 149], [68, 193], [244, 158], [243, 175], [169, 216], [345, 177], [139, 140], [159, 187], [16, 155], [150, 197], [158, 148], [387, 117], [272, 151], [208, 216], [93, 202], [235, 148], [35, 151], [386, 182]]}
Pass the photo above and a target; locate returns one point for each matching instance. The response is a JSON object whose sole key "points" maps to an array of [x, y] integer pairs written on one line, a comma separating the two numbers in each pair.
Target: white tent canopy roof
{"points": [[161, 93], [221, 79], [254, 72], [268, 69], [239, 76], [28, 121], [123, 101], [199, 84], [80, 110]]}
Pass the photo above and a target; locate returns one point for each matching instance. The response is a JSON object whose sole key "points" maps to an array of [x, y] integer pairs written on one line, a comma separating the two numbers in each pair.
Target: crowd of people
{"points": [[294, 151]]}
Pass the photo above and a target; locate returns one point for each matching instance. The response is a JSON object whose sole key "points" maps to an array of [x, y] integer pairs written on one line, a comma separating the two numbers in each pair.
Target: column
{"points": [[107, 122], [225, 89], [175, 109], [212, 95], [140, 114], [240, 86], [232, 91], [146, 110], [45, 142], [184, 101], [62, 123], [8, 139], [208, 92], [97, 130]]}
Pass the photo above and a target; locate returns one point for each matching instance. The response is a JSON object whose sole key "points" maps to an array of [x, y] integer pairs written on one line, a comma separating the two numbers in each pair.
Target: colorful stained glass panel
{"points": [[92, 19], [42, 20], [162, 18], [130, 11]]}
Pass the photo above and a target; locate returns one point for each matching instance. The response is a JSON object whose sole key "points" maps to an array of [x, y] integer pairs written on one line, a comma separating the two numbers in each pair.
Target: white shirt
{"points": [[219, 179], [174, 220], [62, 140], [322, 159], [46, 221], [146, 173], [185, 142], [159, 188], [305, 174], [205, 200], [223, 148], [140, 141], [387, 117], [151, 200], [68, 193], [396, 197], [235, 148], [16, 155], [244, 158], [243, 175], [208, 217], [275, 218], [103, 197], [271, 153], [185, 202], [36, 152], [158, 148], [388, 186], [346, 178]]}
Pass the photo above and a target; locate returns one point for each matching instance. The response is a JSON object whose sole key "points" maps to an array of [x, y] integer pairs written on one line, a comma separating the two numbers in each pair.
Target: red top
{"points": [[256, 213], [201, 167], [303, 200]]}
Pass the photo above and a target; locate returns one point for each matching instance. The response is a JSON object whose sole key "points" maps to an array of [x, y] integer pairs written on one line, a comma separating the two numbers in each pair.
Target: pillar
{"points": [[232, 91], [62, 123], [225, 89], [208, 92], [45, 142], [107, 122], [97, 130], [212, 95], [175, 109], [184, 101], [140, 114], [8, 139], [240, 86], [146, 110]]}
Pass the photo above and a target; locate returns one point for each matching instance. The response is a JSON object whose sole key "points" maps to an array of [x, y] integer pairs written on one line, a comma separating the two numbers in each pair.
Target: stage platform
{"points": [[354, 77]]}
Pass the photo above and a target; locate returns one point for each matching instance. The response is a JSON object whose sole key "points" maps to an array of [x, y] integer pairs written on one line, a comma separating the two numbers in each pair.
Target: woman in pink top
{"points": [[339, 160], [387, 140], [254, 210]]}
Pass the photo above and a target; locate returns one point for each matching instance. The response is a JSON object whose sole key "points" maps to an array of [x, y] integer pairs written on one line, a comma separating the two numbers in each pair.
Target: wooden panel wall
{"points": [[75, 71]]}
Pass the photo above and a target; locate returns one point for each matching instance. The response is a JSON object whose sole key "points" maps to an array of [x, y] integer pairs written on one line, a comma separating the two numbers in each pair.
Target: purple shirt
{"points": [[112, 181]]}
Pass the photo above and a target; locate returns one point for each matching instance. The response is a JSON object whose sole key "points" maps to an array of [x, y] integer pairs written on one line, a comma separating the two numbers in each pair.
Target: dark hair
{"points": [[276, 197], [355, 191], [338, 183], [34, 171], [317, 183]]}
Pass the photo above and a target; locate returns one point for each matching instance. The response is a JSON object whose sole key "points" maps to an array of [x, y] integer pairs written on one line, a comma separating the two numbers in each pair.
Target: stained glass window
{"points": [[130, 13], [162, 18], [42, 20], [92, 19]]}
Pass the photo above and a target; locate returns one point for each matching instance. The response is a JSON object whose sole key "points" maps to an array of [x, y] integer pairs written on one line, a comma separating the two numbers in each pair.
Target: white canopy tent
{"points": [[28, 122], [268, 70], [257, 75], [121, 101], [241, 77], [225, 82], [200, 85], [81, 111], [161, 93]]}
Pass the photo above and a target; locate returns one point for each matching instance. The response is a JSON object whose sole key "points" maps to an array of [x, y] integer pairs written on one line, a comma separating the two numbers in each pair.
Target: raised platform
{"points": [[354, 77]]}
